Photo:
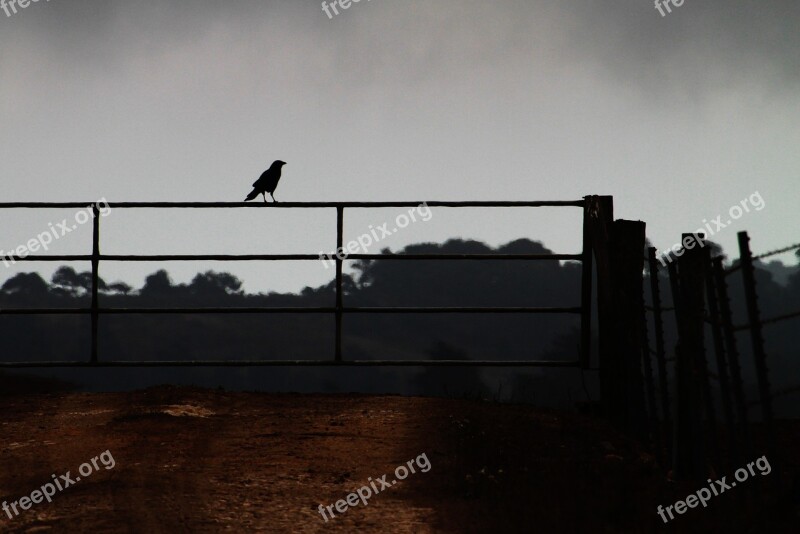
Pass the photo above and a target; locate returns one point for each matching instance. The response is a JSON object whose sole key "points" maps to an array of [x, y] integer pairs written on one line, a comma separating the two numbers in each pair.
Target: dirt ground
{"points": [[192, 460]]}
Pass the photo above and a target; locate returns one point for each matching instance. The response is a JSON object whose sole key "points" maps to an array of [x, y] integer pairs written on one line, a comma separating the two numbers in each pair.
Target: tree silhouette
{"points": [[120, 288], [26, 285], [215, 284], [382, 336], [157, 284], [70, 282]]}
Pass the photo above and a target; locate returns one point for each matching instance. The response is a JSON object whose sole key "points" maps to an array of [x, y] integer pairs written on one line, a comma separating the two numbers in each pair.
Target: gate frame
{"points": [[590, 246]]}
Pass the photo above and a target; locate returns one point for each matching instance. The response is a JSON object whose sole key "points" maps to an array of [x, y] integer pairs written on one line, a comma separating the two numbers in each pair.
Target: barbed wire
{"points": [[737, 328], [759, 257], [776, 252], [733, 268], [777, 394], [783, 317]]}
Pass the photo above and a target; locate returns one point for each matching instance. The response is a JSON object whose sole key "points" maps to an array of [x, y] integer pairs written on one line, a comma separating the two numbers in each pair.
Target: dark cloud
{"points": [[704, 43], [104, 33]]}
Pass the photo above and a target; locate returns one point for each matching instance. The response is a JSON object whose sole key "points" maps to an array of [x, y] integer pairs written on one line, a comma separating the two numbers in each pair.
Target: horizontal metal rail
{"points": [[405, 204], [292, 363], [332, 309], [294, 257]]}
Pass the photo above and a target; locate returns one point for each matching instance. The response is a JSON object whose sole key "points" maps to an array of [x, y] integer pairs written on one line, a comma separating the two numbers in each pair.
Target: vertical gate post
{"points": [[586, 287], [95, 279], [600, 210], [339, 245], [617, 248]]}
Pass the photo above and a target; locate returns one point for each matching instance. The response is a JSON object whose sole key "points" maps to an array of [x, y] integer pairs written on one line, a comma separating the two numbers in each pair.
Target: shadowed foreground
{"points": [[191, 460]]}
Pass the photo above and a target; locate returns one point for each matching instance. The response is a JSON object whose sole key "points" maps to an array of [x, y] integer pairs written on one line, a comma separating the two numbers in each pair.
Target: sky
{"points": [[679, 117]]}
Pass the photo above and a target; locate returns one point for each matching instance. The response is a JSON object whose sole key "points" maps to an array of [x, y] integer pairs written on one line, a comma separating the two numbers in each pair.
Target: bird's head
{"points": [[279, 163]]}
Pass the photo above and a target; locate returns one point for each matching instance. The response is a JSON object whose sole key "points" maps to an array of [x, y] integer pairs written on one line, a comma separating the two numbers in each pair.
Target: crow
{"points": [[268, 182]]}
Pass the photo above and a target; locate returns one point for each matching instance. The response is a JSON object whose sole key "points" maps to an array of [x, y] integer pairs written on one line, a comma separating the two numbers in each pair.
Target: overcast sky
{"points": [[678, 117]]}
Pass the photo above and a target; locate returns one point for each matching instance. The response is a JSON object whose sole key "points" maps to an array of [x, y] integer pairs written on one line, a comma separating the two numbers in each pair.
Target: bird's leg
{"points": [[265, 197], [273, 197]]}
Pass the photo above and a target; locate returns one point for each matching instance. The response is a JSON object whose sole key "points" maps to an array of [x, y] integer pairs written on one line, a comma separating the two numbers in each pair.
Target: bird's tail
{"points": [[252, 195]]}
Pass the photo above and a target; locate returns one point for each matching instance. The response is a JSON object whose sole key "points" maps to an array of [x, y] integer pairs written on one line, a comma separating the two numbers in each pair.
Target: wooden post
{"points": [[650, 387], [689, 462], [661, 359], [618, 250], [733, 354], [623, 372], [699, 361], [721, 359], [756, 336]]}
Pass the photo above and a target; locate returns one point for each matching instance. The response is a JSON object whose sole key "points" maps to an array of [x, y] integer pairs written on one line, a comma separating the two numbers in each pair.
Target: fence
{"points": [[699, 286], [338, 310]]}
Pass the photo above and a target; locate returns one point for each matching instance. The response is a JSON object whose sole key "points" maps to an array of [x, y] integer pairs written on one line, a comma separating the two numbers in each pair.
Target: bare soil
{"points": [[193, 460]]}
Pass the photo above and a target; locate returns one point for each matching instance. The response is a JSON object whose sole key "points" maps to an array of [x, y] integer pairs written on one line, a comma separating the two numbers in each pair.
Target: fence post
{"points": [[627, 276], [756, 335], [617, 250], [687, 279], [95, 280], [658, 327], [722, 365], [701, 362], [650, 385], [733, 353]]}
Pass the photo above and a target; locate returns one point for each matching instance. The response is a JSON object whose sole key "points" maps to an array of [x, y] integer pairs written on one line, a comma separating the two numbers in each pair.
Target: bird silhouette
{"points": [[268, 182]]}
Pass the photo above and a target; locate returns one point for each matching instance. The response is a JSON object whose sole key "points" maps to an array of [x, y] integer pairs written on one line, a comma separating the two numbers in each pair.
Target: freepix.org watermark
{"points": [[717, 487], [55, 232], [367, 240], [363, 493], [664, 4], [10, 6], [734, 212], [60, 483], [344, 4]]}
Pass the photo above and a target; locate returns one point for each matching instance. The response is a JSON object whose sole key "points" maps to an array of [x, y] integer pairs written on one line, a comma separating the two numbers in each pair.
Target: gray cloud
{"points": [[703, 44]]}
